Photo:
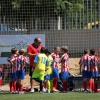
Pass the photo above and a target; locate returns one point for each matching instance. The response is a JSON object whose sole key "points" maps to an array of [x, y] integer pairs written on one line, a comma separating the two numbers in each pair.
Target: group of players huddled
{"points": [[46, 72], [90, 62]]}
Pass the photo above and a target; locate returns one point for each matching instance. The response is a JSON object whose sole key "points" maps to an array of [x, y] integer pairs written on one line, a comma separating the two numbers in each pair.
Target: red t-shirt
{"points": [[33, 50]]}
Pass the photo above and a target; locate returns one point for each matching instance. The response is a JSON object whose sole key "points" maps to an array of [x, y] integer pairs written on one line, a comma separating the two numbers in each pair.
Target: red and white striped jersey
{"points": [[21, 60], [94, 63], [98, 62], [65, 63], [13, 58], [55, 60], [85, 62]]}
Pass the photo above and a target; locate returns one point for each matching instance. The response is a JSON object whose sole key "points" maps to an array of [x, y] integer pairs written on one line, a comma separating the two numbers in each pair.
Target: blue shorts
{"points": [[0, 74], [55, 73], [64, 75], [20, 74], [13, 75], [49, 76], [86, 74], [94, 74]]}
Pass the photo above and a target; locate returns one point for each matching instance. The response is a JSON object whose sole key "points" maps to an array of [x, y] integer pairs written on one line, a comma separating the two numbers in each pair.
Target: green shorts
{"points": [[36, 75]]}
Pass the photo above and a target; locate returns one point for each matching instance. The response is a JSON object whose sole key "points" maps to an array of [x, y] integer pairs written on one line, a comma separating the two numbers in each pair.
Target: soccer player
{"points": [[64, 67], [94, 69], [49, 72], [55, 57], [0, 77], [13, 60], [39, 66], [86, 70], [20, 73]]}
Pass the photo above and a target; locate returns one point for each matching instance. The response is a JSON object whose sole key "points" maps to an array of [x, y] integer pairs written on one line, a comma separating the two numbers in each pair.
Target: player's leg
{"points": [[21, 77], [64, 76], [48, 85], [84, 76], [0, 80], [96, 82], [55, 78], [51, 86], [31, 80]]}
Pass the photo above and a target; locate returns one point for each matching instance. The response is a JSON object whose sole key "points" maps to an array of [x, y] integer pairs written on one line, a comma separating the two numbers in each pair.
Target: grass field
{"points": [[54, 96]]}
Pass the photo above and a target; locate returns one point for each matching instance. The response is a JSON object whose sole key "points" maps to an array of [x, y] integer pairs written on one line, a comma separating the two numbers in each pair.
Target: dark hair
{"points": [[43, 50], [56, 47], [92, 51], [48, 52], [13, 50], [36, 39], [86, 51]]}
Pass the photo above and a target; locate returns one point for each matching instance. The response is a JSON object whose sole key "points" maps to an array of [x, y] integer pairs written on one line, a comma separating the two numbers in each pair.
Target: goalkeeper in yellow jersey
{"points": [[49, 72]]}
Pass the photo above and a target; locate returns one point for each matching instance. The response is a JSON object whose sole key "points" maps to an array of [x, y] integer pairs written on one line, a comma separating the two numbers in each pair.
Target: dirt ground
{"points": [[74, 69]]}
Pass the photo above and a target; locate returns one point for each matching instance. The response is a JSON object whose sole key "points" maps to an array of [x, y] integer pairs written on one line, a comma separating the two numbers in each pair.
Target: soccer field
{"points": [[54, 96]]}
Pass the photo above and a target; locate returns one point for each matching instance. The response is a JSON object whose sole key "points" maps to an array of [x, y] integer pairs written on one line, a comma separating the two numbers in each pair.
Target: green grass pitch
{"points": [[53, 96]]}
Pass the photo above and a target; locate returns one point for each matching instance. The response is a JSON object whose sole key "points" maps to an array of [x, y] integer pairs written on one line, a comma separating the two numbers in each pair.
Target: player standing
{"points": [[39, 66], [49, 73], [20, 73], [86, 70], [13, 60], [94, 69], [55, 57], [0, 77], [64, 67]]}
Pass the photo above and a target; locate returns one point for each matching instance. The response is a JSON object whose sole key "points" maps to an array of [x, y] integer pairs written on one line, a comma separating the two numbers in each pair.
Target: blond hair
{"points": [[21, 51], [64, 48]]}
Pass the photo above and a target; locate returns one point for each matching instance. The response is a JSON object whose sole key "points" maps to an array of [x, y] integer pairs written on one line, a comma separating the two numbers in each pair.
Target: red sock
{"points": [[20, 87], [17, 86], [0, 82], [44, 85], [11, 86], [90, 84], [14, 86], [84, 85], [55, 82], [65, 86], [96, 88]]}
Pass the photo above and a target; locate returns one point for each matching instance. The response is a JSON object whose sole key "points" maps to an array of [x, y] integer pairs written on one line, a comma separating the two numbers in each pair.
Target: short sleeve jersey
{"points": [[21, 60], [33, 50], [49, 65], [55, 60], [40, 61], [65, 62]]}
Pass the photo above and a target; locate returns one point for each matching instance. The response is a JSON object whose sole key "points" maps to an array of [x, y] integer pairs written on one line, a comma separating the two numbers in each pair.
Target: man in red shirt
{"points": [[32, 50]]}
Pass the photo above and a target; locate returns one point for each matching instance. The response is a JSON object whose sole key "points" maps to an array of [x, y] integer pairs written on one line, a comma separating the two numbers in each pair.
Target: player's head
{"points": [[86, 51], [37, 41], [43, 50], [64, 49], [48, 52], [21, 51], [92, 51], [14, 51], [56, 49]]}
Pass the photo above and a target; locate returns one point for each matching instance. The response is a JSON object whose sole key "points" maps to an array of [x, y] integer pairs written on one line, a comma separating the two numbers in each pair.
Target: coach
{"points": [[32, 50]]}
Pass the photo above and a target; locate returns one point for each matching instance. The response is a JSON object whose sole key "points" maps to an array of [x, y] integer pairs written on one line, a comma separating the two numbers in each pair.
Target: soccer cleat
{"points": [[41, 92], [51, 91], [47, 91], [17, 92], [55, 90], [44, 90], [85, 91], [21, 92], [64, 92], [32, 91], [89, 91]]}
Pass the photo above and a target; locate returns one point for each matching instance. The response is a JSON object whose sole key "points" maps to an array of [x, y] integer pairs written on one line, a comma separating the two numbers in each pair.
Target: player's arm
{"points": [[29, 52], [35, 61]]}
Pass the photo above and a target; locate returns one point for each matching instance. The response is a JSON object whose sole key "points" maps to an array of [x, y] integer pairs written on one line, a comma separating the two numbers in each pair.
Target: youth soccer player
{"points": [[94, 69], [49, 72], [39, 67], [20, 73], [0, 77], [86, 70], [13, 60], [64, 67], [55, 57]]}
